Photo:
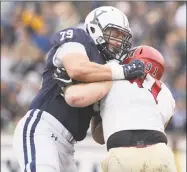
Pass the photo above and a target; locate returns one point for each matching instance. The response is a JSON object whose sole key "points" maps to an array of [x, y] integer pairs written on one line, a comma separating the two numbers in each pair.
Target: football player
{"points": [[44, 138], [133, 116]]}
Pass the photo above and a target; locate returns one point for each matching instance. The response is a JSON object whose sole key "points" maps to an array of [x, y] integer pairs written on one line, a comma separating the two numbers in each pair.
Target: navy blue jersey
{"points": [[76, 120]]}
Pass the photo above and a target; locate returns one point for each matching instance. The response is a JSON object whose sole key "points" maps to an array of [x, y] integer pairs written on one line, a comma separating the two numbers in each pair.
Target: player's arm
{"points": [[85, 94], [97, 129], [75, 60], [166, 104], [166, 124], [79, 67], [75, 55]]}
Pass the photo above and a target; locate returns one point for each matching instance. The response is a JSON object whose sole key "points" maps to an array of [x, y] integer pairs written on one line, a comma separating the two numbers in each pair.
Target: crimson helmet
{"points": [[152, 58]]}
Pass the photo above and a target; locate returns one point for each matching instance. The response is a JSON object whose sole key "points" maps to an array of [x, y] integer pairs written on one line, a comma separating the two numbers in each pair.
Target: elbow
{"points": [[98, 140], [74, 100], [97, 133]]}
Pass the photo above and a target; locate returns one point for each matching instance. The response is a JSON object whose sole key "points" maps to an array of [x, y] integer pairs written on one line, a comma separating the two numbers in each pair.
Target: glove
{"points": [[134, 69], [62, 79]]}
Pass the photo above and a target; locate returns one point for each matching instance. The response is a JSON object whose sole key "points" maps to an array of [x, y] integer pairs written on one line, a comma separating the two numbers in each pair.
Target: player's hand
{"points": [[134, 69], [62, 78]]}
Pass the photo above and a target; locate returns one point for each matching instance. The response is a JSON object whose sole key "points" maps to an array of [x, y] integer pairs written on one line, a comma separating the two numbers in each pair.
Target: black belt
{"points": [[135, 138]]}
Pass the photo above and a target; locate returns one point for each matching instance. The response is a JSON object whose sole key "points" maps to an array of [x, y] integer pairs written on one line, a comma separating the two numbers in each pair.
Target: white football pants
{"points": [[42, 144]]}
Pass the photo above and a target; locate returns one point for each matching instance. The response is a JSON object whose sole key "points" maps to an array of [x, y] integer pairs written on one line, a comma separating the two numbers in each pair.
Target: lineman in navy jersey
{"points": [[44, 138], [52, 101]]}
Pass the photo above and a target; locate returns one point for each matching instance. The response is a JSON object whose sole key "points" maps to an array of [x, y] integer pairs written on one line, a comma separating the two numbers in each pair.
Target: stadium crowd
{"points": [[26, 28]]}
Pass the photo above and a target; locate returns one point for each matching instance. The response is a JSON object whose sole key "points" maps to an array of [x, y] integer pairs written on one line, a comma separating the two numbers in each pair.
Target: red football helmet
{"points": [[153, 59]]}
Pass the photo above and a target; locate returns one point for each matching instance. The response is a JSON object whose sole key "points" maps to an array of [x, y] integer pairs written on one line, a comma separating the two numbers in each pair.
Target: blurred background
{"points": [[26, 28]]}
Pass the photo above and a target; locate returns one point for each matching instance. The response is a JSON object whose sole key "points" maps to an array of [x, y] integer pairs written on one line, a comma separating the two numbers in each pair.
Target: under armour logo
{"points": [[54, 137], [133, 66]]}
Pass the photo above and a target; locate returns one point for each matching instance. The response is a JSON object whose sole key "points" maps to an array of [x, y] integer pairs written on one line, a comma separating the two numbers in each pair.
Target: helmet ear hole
{"points": [[141, 51], [92, 29]]}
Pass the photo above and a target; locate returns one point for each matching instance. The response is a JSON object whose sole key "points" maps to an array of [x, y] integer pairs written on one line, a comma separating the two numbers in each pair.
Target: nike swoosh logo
{"points": [[63, 80]]}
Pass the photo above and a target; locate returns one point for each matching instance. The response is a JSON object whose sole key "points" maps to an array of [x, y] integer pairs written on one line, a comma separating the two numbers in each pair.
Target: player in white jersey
{"points": [[134, 115]]}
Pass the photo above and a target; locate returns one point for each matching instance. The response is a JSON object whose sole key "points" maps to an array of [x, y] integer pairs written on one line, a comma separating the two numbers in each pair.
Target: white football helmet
{"points": [[107, 17]]}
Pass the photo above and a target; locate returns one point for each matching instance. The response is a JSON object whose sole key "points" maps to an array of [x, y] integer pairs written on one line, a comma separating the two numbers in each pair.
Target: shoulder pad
{"points": [[71, 35]]}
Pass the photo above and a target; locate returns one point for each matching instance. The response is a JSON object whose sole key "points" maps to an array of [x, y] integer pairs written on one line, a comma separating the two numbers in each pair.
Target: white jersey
{"points": [[129, 107]]}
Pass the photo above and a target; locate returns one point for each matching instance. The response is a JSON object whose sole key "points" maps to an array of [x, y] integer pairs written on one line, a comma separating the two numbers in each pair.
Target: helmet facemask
{"points": [[108, 49]]}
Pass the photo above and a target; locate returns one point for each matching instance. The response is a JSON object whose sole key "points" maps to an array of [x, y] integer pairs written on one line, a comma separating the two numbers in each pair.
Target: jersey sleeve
{"points": [[166, 104], [63, 50], [73, 40]]}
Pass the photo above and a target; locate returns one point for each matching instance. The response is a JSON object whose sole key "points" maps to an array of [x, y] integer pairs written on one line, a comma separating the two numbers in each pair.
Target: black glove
{"points": [[62, 79], [134, 69]]}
